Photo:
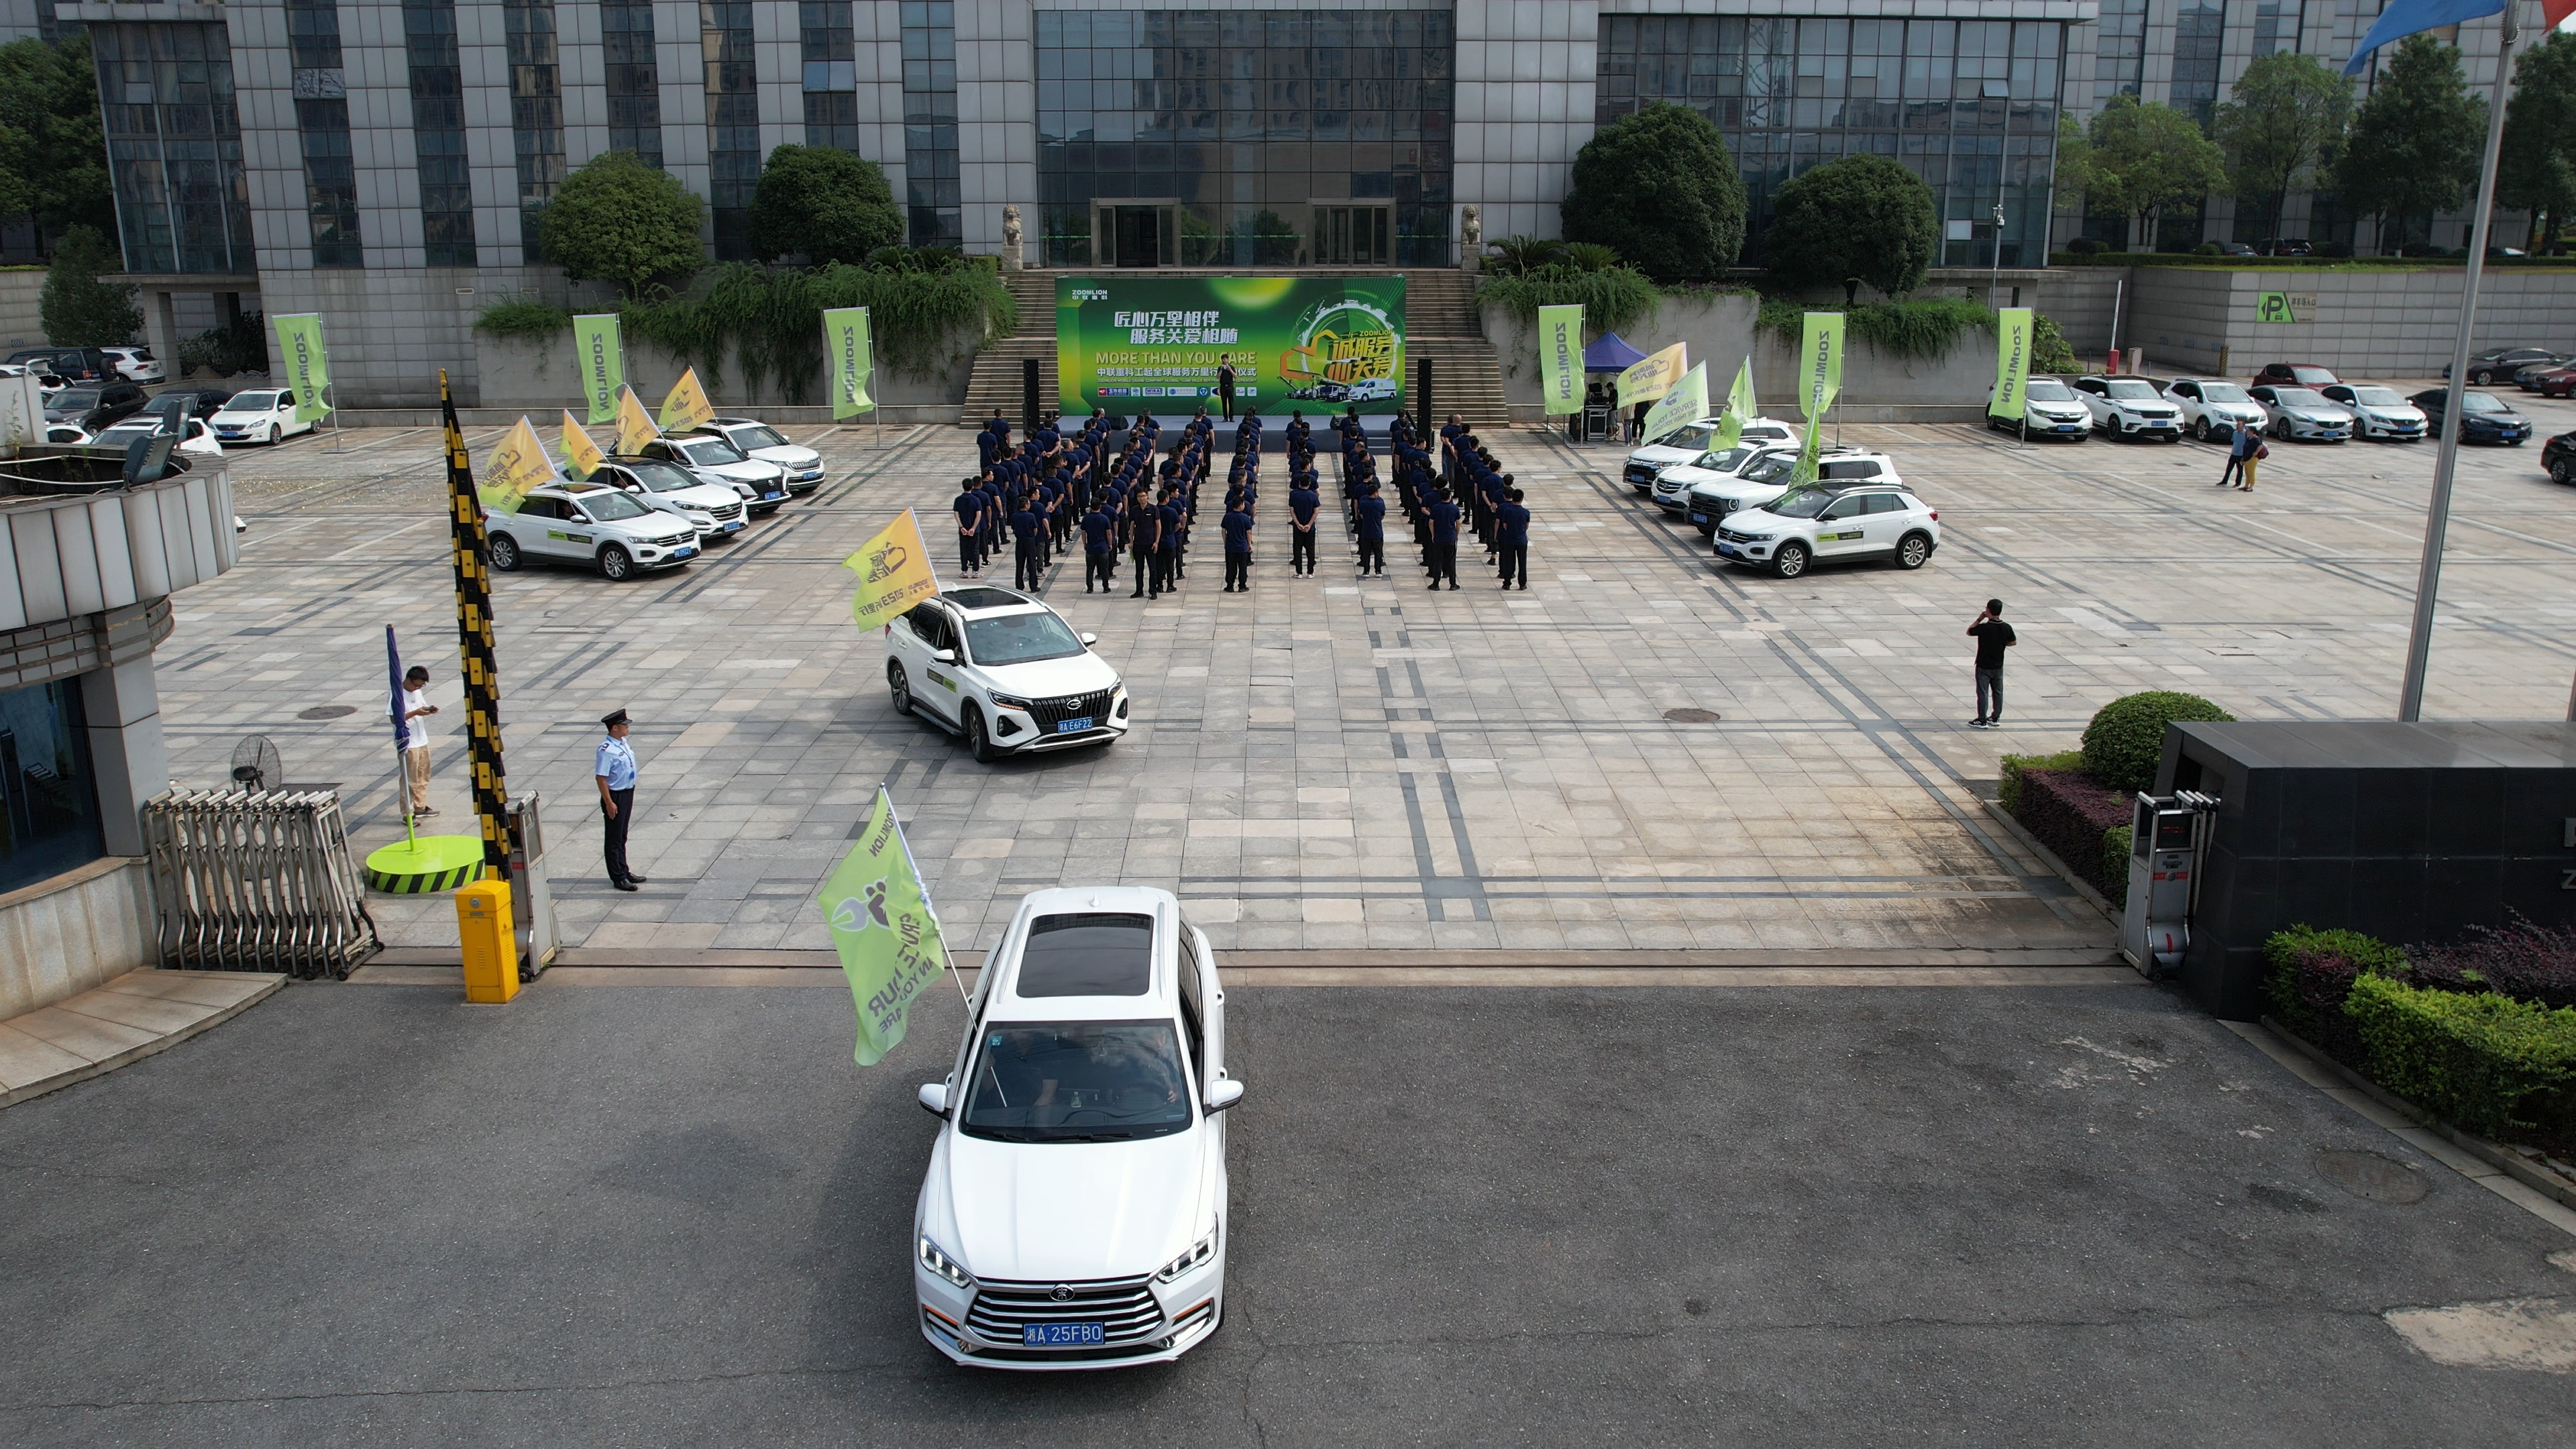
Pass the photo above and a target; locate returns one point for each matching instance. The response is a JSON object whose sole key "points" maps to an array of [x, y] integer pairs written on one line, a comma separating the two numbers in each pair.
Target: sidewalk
{"points": [[128, 1019]]}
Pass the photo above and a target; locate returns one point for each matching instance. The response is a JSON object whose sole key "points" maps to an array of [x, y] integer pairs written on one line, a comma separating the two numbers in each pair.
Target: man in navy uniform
{"points": [[1238, 551], [1145, 543], [1305, 510], [615, 771], [1444, 541], [969, 505], [1099, 549], [1028, 526], [1511, 538], [1372, 531]]}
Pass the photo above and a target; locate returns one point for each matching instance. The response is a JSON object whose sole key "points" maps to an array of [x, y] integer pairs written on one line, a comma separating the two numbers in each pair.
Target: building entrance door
{"points": [[1354, 234], [1135, 233]]}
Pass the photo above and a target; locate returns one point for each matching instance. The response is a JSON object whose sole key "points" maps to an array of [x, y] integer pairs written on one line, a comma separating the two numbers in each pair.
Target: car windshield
{"points": [[1725, 460], [2378, 397], [662, 477], [251, 402], [610, 507], [1771, 469], [2222, 392], [2047, 389], [2478, 402], [2132, 388], [77, 397], [2299, 397], [2313, 376], [758, 436], [1691, 435], [709, 453], [1019, 638], [1805, 503], [1077, 1081]]}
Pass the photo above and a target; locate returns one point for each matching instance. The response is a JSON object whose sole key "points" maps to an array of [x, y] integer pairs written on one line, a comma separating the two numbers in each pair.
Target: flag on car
{"points": [[894, 573], [884, 929], [1687, 403], [634, 425], [581, 455], [1654, 376], [2403, 18], [1810, 466], [518, 464], [1740, 409], [687, 406]]}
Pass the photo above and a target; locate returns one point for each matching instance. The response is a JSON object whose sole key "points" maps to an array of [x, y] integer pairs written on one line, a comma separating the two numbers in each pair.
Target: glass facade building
{"points": [[536, 109], [322, 127], [733, 121], [932, 200], [828, 47], [49, 818], [631, 78], [1969, 105], [174, 144], [438, 133]]}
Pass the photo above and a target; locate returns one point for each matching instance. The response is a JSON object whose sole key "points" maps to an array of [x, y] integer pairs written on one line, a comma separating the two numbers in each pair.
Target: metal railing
{"points": [[256, 882]]}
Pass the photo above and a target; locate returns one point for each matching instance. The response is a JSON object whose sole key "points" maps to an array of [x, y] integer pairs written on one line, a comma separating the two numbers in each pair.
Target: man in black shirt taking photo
{"points": [[1993, 637]]}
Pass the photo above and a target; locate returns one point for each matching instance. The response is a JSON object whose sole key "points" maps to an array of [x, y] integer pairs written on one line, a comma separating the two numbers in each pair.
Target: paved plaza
{"points": [[1335, 764]]}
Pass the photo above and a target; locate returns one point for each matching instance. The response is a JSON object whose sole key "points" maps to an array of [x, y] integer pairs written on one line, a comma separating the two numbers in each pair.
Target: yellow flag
{"points": [[634, 425], [894, 573], [517, 465], [1653, 377], [580, 453], [687, 406]]}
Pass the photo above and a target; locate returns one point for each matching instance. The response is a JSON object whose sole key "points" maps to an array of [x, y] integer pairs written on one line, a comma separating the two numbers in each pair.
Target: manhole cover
{"points": [[1691, 716], [2371, 1176], [327, 711]]}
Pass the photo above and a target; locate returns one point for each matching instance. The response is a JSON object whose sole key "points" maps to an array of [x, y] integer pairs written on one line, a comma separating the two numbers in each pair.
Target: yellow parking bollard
{"points": [[491, 947]]}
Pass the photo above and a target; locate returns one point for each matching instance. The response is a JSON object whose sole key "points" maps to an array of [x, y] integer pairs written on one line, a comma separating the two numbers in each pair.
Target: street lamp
{"points": [[1994, 273]]}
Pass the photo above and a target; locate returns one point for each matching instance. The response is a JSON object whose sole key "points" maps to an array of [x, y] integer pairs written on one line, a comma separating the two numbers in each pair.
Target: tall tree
{"points": [[2139, 159], [2284, 123], [1659, 186], [1859, 219], [53, 153], [2415, 143], [2538, 167], [619, 220], [824, 202], [77, 308]]}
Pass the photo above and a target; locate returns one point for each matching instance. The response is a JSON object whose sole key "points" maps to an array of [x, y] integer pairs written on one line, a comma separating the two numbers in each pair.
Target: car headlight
{"points": [[937, 1261], [1757, 537], [1200, 1252], [1006, 701]]}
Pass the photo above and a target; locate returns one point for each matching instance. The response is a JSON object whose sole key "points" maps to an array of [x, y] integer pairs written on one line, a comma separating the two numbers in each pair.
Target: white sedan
{"points": [[1074, 1212], [1003, 672], [259, 417], [2303, 412]]}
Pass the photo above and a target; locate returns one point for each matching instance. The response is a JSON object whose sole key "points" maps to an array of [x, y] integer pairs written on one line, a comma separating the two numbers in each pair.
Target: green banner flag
{"points": [[1560, 359], [1820, 363], [1687, 403], [884, 929], [846, 352], [308, 364], [603, 364], [2012, 362], [1740, 409], [1136, 342], [1811, 451]]}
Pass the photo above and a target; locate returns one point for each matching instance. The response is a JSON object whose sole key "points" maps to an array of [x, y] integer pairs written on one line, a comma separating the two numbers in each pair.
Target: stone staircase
{"points": [[1440, 323]]}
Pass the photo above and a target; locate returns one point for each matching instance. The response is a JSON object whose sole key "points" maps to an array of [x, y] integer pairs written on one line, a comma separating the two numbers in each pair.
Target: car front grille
{"points": [[1731, 536], [725, 512], [1051, 712], [1641, 473], [1123, 1307]]}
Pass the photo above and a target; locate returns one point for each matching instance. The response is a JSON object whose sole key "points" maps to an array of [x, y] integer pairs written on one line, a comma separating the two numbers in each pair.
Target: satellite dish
{"points": [[256, 765]]}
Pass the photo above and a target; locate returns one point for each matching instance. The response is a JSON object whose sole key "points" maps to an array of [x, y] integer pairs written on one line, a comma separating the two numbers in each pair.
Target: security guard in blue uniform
{"points": [[615, 770]]}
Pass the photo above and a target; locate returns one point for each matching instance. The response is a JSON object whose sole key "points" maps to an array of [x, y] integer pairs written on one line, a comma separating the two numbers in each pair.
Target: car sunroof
{"points": [[984, 599], [1089, 953]]}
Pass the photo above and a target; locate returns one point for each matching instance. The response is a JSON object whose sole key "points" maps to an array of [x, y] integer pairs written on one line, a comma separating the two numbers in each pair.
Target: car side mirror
{"points": [[634, 487], [934, 1099], [1089, 639], [943, 656], [1222, 1093]]}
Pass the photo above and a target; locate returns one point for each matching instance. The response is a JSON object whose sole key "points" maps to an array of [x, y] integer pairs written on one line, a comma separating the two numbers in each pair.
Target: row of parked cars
{"points": [[2288, 401], [659, 507], [1858, 510]]}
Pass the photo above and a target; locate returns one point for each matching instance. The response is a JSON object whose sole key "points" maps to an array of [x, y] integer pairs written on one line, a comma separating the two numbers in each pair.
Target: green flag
{"points": [[1740, 409], [1560, 359], [1687, 403], [308, 364], [2012, 362], [603, 364], [1820, 363], [883, 926], [846, 350], [1808, 467]]}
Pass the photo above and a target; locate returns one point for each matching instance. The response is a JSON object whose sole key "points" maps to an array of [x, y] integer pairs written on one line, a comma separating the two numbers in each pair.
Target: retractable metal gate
{"points": [[2168, 842], [256, 882]]}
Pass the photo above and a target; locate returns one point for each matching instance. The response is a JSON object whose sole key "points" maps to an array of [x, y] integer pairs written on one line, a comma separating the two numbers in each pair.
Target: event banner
{"points": [[603, 366], [1820, 363], [2012, 362], [1687, 403], [634, 425], [581, 455], [518, 464], [894, 573], [1740, 409], [1652, 377], [1560, 359], [1152, 344], [884, 928], [308, 366], [846, 352], [687, 406]]}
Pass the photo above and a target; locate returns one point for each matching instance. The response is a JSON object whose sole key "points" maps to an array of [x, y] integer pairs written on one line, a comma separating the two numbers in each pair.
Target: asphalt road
{"points": [[628, 1215]]}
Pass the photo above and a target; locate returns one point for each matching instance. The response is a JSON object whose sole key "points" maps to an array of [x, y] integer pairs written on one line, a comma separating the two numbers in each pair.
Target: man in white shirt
{"points": [[416, 704]]}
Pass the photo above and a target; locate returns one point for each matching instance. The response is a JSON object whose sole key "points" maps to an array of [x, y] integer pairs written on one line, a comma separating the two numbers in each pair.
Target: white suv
{"points": [[135, 364], [1689, 443], [714, 509], [762, 486], [2129, 407], [589, 523], [1074, 1212], [1003, 672], [1766, 477], [2049, 409], [2209, 408], [763, 443], [1832, 523]]}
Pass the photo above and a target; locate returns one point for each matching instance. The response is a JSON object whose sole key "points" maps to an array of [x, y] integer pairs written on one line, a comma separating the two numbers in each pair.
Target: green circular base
{"points": [[429, 863]]}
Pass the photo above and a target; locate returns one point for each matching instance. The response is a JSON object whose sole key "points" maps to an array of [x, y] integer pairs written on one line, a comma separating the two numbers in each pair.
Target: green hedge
{"points": [[2126, 740], [2494, 1065], [2312, 971], [1926, 327], [2008, 790], [2117, 842], [1611, 298], [523, 319]]}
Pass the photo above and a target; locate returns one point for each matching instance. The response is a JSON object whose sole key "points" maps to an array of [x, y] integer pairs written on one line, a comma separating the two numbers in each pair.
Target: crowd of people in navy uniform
{"points": [[1132, 494]]}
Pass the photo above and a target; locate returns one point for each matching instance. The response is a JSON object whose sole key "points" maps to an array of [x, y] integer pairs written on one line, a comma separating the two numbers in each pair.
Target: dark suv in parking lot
{"points": [[94, 405]]}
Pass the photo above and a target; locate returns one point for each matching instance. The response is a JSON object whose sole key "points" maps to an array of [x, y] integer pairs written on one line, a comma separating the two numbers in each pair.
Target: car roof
{"points": [[987, 599], [1159, 997]]}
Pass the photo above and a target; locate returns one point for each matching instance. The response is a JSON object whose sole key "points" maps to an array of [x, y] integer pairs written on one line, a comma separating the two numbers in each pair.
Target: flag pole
{"points": [[2437, 514]]}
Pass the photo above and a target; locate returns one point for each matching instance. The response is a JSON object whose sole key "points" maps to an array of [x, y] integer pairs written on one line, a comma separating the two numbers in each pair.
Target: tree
{"points": [[2415, 143], [2284, 124], [53, 153], [619, 220], [2139, 159], [1659, 185], [1859, 219], [77, 308], [824, 202], [2538, 166]]}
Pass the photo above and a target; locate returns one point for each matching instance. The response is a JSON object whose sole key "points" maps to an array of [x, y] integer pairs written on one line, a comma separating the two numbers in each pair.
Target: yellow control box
{"points": [[491, 945]]}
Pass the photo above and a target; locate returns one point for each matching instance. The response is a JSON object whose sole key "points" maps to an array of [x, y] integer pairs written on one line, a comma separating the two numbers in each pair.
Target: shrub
{"points": [[824, 202], [1925, 328], [1611, 299], [1659, 185], [2008, 790], [1521, 253], [227, 351], [2334, 249], [523, 319], [1855, 220], [1591, 257], [2311, 973], [2494, 1065], [2126, 740], [771, 321], [2048, 349], [2069, 813], [2085, 246], [76, 307], [619, 220], [2524, 960], [2209, 249], [2117, 842]]}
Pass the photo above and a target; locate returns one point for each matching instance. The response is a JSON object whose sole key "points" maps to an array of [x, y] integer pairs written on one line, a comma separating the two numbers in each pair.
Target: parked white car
{"points": [[589, 523], [1003, 672], [1073, 1215], [259, 417], [2129, 407], [761, 486], [1689, 443], [1675, 485], [802, 465], [2303, 412], [199, 442], [135, 364], [2210, 408], [2049, 409], [714, 509], [1766, 477], [1832, 523], [2379, 412]]}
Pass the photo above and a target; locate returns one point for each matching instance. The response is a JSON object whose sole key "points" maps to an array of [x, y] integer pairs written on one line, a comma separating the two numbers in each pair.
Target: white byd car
{"points": [[259, 417], [2129, 407], [1832, 523], [1692, 441], [1074, 1213], [2211, 407], [2049, 409], [763, 443], [1003, 672]]}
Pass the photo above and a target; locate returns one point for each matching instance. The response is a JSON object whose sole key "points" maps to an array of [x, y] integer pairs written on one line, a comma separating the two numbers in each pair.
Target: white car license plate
{"points": [[1073, 726], [2159, 423], [732, 525], [2070, 427], [1730, 550], [773, 495], [684, 553], [1699, 518], [1060, 1335]]}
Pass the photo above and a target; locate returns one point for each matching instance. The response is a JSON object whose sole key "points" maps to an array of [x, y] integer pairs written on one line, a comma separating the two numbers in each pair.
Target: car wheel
{"points": [[615, 564], [2482, 377], [900, 685], [271, 439], [1790, 561], [978, 742], [2560, 472], [505, 553], [1912, 550]]}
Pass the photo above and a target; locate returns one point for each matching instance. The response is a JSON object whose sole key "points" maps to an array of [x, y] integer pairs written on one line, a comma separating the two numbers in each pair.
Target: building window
{"points": [[2277, 24], [2198, 27], [49, 821], [733, 121], [1968, 105], [174, 146], [831, 74], [322, 124], [930, 121], [438, 133], [1269, 133], [634, 79], [536, 111], [2120, 50]]}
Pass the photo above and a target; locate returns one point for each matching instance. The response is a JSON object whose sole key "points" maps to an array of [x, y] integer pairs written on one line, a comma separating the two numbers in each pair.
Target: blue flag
{"points": [[2403, 18]]}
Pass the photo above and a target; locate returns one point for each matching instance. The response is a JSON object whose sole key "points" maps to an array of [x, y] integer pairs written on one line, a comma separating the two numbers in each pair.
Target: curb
{"points": [[140, 1050], [2048, 857]]}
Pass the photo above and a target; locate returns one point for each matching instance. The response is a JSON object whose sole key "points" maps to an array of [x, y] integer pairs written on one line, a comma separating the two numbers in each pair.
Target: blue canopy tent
{"points": [[1611, 354]]}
